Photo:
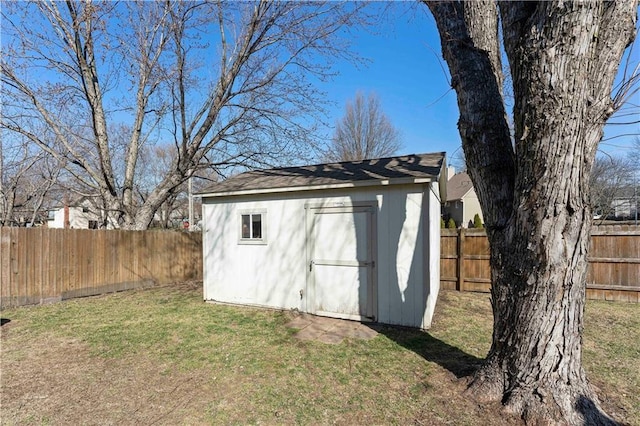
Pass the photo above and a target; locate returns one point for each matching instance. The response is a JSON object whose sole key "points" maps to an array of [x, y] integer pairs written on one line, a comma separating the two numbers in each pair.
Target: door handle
{"points": [[311, 265]]}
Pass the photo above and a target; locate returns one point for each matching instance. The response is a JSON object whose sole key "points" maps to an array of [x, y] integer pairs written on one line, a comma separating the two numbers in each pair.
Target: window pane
{"points": [[245, 226], [256, 222]]}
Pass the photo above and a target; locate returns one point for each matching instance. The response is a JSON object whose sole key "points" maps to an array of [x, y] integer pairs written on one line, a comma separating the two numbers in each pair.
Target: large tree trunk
{"points": [[563, 58]]}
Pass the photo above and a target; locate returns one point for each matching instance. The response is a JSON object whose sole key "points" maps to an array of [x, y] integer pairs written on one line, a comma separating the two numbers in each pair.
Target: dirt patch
{"points": [[58, 381], [329, 330]]}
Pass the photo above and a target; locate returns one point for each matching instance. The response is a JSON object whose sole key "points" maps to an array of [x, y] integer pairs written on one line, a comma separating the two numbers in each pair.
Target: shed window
{"points": [[252, 227]]}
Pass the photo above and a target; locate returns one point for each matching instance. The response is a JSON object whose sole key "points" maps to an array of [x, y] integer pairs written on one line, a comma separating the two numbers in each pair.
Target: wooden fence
{"points": [[614, 262], [40, 265]]}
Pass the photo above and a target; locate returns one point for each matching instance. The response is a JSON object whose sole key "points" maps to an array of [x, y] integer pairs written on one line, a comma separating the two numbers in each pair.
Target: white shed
{"points": [[356, 240]]}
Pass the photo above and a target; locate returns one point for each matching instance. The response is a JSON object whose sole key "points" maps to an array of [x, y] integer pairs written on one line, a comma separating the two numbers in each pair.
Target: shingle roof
{"points": [[458, 186], [352, 173]]}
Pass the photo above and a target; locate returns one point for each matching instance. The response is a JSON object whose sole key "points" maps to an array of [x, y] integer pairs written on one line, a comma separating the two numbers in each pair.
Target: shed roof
{"points": [[458, 186], [414, 168]]}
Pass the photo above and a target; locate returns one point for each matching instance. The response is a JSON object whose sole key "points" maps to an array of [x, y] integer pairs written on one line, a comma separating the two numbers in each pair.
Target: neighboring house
{"points": [[462, 202], [23, 217], [77, 216], [357, 240], [177, 218], [624, 205]]}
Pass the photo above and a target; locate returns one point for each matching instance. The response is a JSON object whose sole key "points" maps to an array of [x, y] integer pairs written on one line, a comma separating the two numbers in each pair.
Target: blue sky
{"points": [[405, 70]]}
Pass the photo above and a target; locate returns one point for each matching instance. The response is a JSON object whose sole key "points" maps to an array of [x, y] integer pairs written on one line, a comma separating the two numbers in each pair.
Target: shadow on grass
{"points": [[451, 358], [592, 414], [4, 321]]}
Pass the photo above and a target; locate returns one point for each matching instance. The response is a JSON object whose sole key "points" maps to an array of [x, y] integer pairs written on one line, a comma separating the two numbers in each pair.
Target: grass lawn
{"points": [[162, 356]]}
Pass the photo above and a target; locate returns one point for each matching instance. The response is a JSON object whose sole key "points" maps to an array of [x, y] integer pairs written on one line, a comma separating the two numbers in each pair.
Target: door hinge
{"points": [[310, 266]]}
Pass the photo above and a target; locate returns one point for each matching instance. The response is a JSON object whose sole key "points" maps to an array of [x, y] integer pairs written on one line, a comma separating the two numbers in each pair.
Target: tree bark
{"points": [[535, 195]]}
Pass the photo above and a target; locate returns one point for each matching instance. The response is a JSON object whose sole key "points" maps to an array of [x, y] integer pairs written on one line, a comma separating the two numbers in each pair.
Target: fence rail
{"points": [[40, 265], [613, 271]]}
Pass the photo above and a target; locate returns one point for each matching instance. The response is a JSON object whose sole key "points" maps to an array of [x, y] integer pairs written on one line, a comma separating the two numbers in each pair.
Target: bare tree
{"points": [[217, 83], [457, 160], [635, 152], [634, 159], [534, 189], [26, 178], [611, 178], [364, 132]]}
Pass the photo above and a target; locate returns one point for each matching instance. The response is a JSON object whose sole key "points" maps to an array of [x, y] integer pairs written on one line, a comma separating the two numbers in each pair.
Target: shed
{"points": [[356, 240]]}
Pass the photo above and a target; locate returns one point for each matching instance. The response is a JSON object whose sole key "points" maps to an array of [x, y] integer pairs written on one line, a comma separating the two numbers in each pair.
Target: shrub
{"points": [[451, 224], [477, 222]]}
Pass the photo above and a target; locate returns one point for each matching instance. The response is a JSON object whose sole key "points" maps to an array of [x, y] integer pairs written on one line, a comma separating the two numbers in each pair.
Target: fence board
{"points": [[39, 265], [448, 259], [613, 272]]}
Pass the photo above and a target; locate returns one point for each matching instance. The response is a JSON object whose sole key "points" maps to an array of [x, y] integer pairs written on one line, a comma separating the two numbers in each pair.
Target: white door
{"points": [[341, 262]]}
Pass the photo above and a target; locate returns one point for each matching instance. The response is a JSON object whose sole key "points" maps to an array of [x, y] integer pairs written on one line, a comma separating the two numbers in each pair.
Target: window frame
{"points": [[263, 224]]}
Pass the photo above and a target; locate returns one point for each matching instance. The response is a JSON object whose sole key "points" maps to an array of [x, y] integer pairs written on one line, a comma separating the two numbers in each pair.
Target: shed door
{"points": [[341, 263]]}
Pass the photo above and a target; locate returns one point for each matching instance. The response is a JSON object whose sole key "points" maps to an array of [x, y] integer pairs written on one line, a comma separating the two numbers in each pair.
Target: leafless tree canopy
{"points": [[216, 84], [364, 132], [26, 178], [635, 153], [611, 178]]}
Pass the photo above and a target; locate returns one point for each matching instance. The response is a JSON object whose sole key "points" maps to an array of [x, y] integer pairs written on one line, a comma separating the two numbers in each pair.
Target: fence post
{"points": [[460, 286]]}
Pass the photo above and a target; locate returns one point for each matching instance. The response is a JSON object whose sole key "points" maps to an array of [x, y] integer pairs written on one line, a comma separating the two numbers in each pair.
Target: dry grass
{"points": [[162, 356], [611, 355]]}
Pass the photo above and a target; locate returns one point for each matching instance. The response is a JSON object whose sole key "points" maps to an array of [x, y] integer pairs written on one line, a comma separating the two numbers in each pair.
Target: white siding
{"points": [[400, 252], [270, 274], [273, 274], [471, 206], [58, 219], [432, 243], [77, 219]]}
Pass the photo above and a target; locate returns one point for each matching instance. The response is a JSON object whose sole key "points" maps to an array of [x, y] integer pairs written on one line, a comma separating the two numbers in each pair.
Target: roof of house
{"points": [[79, 201], [415, 168], [458, 186], [625, 192]]}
